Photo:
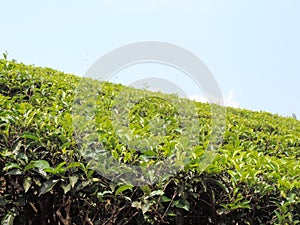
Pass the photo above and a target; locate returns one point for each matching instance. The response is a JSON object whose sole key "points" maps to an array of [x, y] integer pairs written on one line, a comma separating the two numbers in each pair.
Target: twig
{"points": [[130, 218], [174, 195], [33, 207], [87, 220], [67, 220]]}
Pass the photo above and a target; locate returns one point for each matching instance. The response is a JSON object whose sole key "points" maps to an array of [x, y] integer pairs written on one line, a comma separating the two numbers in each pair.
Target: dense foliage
{"points": [[46, 177]]}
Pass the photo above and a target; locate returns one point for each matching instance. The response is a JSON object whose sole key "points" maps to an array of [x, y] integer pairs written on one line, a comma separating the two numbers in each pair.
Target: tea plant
{"points": [[47, 178]]}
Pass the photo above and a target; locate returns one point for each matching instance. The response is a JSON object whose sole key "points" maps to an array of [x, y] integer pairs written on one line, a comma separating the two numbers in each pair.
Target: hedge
{"points": [[51, 169]]}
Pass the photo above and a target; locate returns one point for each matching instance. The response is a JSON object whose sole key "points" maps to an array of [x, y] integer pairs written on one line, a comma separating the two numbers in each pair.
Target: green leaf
{"points": [[31, 136], [74, 164], [16, 147], [60, 166], [50, 170], [47, 186], [102, 194], [165, 199], [66, 188], [56, 170], [82, 185], [40, 164], [8, 220], [15, 172], [11, 166], [123, 188], [73, 180], [146, 206], [136, 204], [115, 154], [171, 213], [182, 204], [27, 184], [149, 153], [157, 192]]}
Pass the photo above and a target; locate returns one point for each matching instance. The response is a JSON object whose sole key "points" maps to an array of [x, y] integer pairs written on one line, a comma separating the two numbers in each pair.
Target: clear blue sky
{"points": [[252, 47]]}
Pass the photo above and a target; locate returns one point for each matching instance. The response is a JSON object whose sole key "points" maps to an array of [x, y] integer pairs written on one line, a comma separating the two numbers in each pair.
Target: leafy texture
{"points": [[47, 177]]}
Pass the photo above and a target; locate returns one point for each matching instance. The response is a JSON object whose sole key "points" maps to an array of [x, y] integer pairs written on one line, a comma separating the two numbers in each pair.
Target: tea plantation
{"points": [[61, 136]]}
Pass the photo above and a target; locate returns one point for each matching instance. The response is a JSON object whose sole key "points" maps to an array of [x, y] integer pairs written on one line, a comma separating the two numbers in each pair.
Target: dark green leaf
{"points": [[123, 188], [47, 186]]}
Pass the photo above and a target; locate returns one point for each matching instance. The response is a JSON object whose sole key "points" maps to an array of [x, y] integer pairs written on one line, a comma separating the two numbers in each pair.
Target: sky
{"points": [[251, 47]]}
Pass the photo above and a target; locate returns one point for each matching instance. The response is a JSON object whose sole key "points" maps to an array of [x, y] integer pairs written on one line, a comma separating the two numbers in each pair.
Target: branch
{"points": [[87, 220], [67, 220]]}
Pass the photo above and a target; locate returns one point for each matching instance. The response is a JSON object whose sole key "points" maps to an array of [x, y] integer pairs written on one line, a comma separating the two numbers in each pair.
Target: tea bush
{"points": [[47, 177]]}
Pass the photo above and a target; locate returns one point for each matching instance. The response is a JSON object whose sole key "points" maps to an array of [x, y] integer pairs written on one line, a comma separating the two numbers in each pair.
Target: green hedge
{"points": [[46, 179]]}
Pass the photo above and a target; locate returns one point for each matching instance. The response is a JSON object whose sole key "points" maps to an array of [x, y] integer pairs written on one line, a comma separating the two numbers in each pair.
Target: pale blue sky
{"points": [[252, 47]]}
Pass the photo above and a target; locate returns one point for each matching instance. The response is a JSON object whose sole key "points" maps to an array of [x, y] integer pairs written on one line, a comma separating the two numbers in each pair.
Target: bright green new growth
{"points": [[47, 178]]}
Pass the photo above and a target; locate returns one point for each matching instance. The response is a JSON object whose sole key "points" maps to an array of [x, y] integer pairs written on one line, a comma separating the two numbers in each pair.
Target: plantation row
{"points": [[78, 151]]}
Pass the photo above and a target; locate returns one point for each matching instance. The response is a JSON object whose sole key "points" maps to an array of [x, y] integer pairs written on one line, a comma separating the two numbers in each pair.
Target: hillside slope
{"points": [[47, 140]]}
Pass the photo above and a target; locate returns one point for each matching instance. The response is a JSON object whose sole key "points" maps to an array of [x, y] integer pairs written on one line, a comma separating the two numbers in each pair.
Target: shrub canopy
{"points": [[49, 175]]}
